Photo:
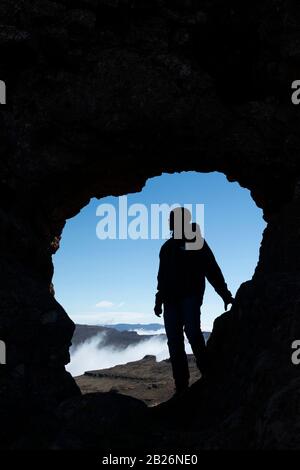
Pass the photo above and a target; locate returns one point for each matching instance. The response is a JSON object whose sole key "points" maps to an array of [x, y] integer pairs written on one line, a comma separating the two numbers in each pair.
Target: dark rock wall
{"points": [[103, 94]]}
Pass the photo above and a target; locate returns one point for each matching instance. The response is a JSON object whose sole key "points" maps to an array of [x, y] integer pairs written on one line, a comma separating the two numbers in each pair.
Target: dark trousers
{"points": [[183, 316]]}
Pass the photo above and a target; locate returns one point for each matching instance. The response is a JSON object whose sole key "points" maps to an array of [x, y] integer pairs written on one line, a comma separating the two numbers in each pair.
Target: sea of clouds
{"points": [[93, 354]]}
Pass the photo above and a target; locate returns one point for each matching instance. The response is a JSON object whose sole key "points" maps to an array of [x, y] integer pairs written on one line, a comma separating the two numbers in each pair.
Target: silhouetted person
{"points": [[181, 285]]}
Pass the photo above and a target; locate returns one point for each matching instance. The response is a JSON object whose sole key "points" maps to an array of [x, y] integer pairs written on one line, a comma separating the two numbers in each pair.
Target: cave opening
{"points": [[107, 286]]}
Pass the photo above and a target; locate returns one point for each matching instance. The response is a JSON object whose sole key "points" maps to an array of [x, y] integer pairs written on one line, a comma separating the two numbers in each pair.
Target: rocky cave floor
{"points": [[127, 407]]}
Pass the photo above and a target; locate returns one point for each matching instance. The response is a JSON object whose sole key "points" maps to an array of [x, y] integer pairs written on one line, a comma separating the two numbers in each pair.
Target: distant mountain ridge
{"points": [[137, 326], [146, 327], [119, 336], [109, 336]]}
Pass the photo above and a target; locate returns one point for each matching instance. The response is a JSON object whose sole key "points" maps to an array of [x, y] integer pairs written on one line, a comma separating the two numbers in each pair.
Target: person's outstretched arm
{"points": [[215, 277]]}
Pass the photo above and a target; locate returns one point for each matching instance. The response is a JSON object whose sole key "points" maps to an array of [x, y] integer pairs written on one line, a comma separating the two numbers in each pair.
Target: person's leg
{"points": [[174, 331], [192, 329]]}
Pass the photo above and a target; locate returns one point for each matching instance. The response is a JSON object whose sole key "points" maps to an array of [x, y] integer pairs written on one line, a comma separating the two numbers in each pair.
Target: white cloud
{"points": [[142, 332], [92, 355], [104, 304]]}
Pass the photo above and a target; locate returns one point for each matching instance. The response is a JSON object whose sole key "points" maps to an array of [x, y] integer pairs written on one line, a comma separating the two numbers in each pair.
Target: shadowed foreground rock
{"points": [[102, 421], [102, 95]]}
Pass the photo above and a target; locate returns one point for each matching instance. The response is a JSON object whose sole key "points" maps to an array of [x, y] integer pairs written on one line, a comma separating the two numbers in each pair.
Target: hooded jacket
{"points": [[183, 272]]}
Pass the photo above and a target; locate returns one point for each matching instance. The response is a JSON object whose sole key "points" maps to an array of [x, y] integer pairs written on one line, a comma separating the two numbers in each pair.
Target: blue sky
{"points": [[114, 281]]}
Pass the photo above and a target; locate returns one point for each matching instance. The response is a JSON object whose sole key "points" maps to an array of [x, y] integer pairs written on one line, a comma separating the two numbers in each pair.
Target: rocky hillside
{"points": [[147, 380], [116, 336], [111, 336]]}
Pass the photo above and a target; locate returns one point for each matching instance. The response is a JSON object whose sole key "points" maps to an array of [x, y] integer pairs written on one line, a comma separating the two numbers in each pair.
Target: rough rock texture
{"points": [[103, 94], [148, 380]]}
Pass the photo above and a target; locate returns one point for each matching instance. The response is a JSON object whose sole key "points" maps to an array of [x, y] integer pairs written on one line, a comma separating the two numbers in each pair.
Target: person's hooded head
{"points": [[184, 229], [179, 221]]}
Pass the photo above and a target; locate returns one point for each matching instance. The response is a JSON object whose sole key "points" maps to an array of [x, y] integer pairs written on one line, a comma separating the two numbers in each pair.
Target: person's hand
{"points": [[227, 302], [158, 310]]}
